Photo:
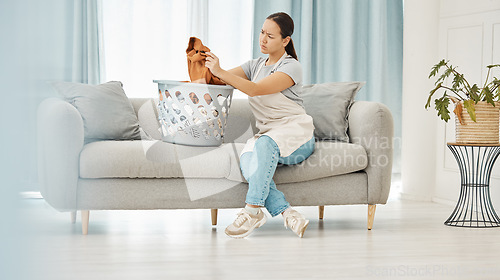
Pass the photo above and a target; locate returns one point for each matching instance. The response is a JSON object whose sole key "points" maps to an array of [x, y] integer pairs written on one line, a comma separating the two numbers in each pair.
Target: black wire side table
{"points": [[474, 207]]}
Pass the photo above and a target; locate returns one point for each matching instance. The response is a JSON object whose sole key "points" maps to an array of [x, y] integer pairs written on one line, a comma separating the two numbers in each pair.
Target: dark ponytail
{"points": [[285, 22], [291, 50]]}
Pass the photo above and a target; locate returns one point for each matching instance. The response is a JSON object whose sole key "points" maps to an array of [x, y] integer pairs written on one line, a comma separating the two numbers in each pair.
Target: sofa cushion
{"points": [[106, 111], [328, 104], [329, 159], [151, 159], [157, 159]]}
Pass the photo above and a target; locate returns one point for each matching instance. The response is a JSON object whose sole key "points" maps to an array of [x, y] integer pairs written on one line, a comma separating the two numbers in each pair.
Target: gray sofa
{"points": [[151, 174]]}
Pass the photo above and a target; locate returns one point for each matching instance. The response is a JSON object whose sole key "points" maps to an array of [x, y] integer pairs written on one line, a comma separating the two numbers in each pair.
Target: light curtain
{"points": [[88, 46], [197, 19], [147, 39], [348, 40]]}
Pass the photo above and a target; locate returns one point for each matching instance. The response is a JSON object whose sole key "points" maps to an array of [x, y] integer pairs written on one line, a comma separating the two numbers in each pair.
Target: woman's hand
{"points": [[237, 78], [212, 63]]}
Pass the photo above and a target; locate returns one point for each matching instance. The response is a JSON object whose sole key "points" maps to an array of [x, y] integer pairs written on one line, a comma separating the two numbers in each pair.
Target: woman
{"points": [[285, 132]]}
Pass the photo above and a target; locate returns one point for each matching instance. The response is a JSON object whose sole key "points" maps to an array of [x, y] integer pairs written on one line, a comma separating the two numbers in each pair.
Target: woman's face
{"points": [[270, 38]]}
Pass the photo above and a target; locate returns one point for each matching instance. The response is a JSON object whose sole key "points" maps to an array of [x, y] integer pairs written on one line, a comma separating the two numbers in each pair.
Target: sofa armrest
{"points": [[60, 140], [371, 126]]}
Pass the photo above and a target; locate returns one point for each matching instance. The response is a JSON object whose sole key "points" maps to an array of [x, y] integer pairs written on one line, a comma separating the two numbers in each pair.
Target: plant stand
{"points": [[474, 207]]}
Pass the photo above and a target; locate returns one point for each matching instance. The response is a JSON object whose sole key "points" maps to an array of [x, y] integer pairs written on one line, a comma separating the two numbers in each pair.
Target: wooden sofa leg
{"points": [[321, 211], [73, 216], [371, 215], [85, 221], [214, 217]]}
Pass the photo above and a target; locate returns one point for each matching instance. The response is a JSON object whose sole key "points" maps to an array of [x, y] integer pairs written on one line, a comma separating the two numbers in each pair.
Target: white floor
{"points": [[408, 241]]}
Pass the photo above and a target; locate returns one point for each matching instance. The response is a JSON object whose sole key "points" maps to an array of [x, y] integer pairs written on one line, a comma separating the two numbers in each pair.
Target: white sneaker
{"points": [[245, 223], [296, 222]]}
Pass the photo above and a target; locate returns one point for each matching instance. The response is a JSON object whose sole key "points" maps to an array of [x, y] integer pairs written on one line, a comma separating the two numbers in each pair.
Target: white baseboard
{"points": [[30, 195], [444, 201], [412, 197]]}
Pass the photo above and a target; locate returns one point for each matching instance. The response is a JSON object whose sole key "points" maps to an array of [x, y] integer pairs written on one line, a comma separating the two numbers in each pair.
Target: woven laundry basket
{"points": [[484, 130], [193, 114]]}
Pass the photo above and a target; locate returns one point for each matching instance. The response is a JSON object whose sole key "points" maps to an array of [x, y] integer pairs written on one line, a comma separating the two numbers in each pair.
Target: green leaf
{"points": [[431, 93], [488, 96], [473, 93], [445, 75], [493, 66], [435, 68], [441, 106], [469, 105], [457, 80]]}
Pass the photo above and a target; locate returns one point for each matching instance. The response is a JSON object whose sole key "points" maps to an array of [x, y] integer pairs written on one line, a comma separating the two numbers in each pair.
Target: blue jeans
{"points": [[258, 168]]}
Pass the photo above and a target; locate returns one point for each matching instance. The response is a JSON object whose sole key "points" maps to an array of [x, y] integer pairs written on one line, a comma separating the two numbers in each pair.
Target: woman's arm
{"points": [[273, 83], [238, 71]]}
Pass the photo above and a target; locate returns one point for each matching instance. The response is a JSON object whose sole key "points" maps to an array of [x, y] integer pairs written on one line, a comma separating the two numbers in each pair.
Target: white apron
{"points": [[280, 118]]}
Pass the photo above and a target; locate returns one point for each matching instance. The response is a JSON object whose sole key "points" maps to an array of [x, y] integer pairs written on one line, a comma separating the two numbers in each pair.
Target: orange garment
{"points": [[196, 58]]}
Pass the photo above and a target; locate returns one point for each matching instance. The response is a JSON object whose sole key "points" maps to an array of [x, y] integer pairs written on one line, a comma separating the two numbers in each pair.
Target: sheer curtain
{"points": [[339, 40], [147, 39], [88, 49]]}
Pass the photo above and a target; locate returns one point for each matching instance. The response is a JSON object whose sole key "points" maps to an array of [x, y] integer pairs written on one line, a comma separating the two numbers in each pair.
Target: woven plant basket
{"points": [[484, 130]]}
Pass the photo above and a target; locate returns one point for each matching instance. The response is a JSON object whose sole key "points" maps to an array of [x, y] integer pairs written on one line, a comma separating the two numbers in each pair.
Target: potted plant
{"points": [[476, 108]]}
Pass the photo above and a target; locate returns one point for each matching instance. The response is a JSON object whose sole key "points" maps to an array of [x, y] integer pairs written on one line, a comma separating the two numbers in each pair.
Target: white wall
{"points": [[421, 17], [468, 34]]}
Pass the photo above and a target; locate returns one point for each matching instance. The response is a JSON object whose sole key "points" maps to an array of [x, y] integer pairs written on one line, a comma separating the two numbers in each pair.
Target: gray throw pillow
{"points": [[328, 104], [106, 111]]}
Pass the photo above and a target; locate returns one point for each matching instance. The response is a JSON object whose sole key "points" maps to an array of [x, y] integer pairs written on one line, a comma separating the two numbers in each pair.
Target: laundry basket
{"points": [[193, 114]]}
